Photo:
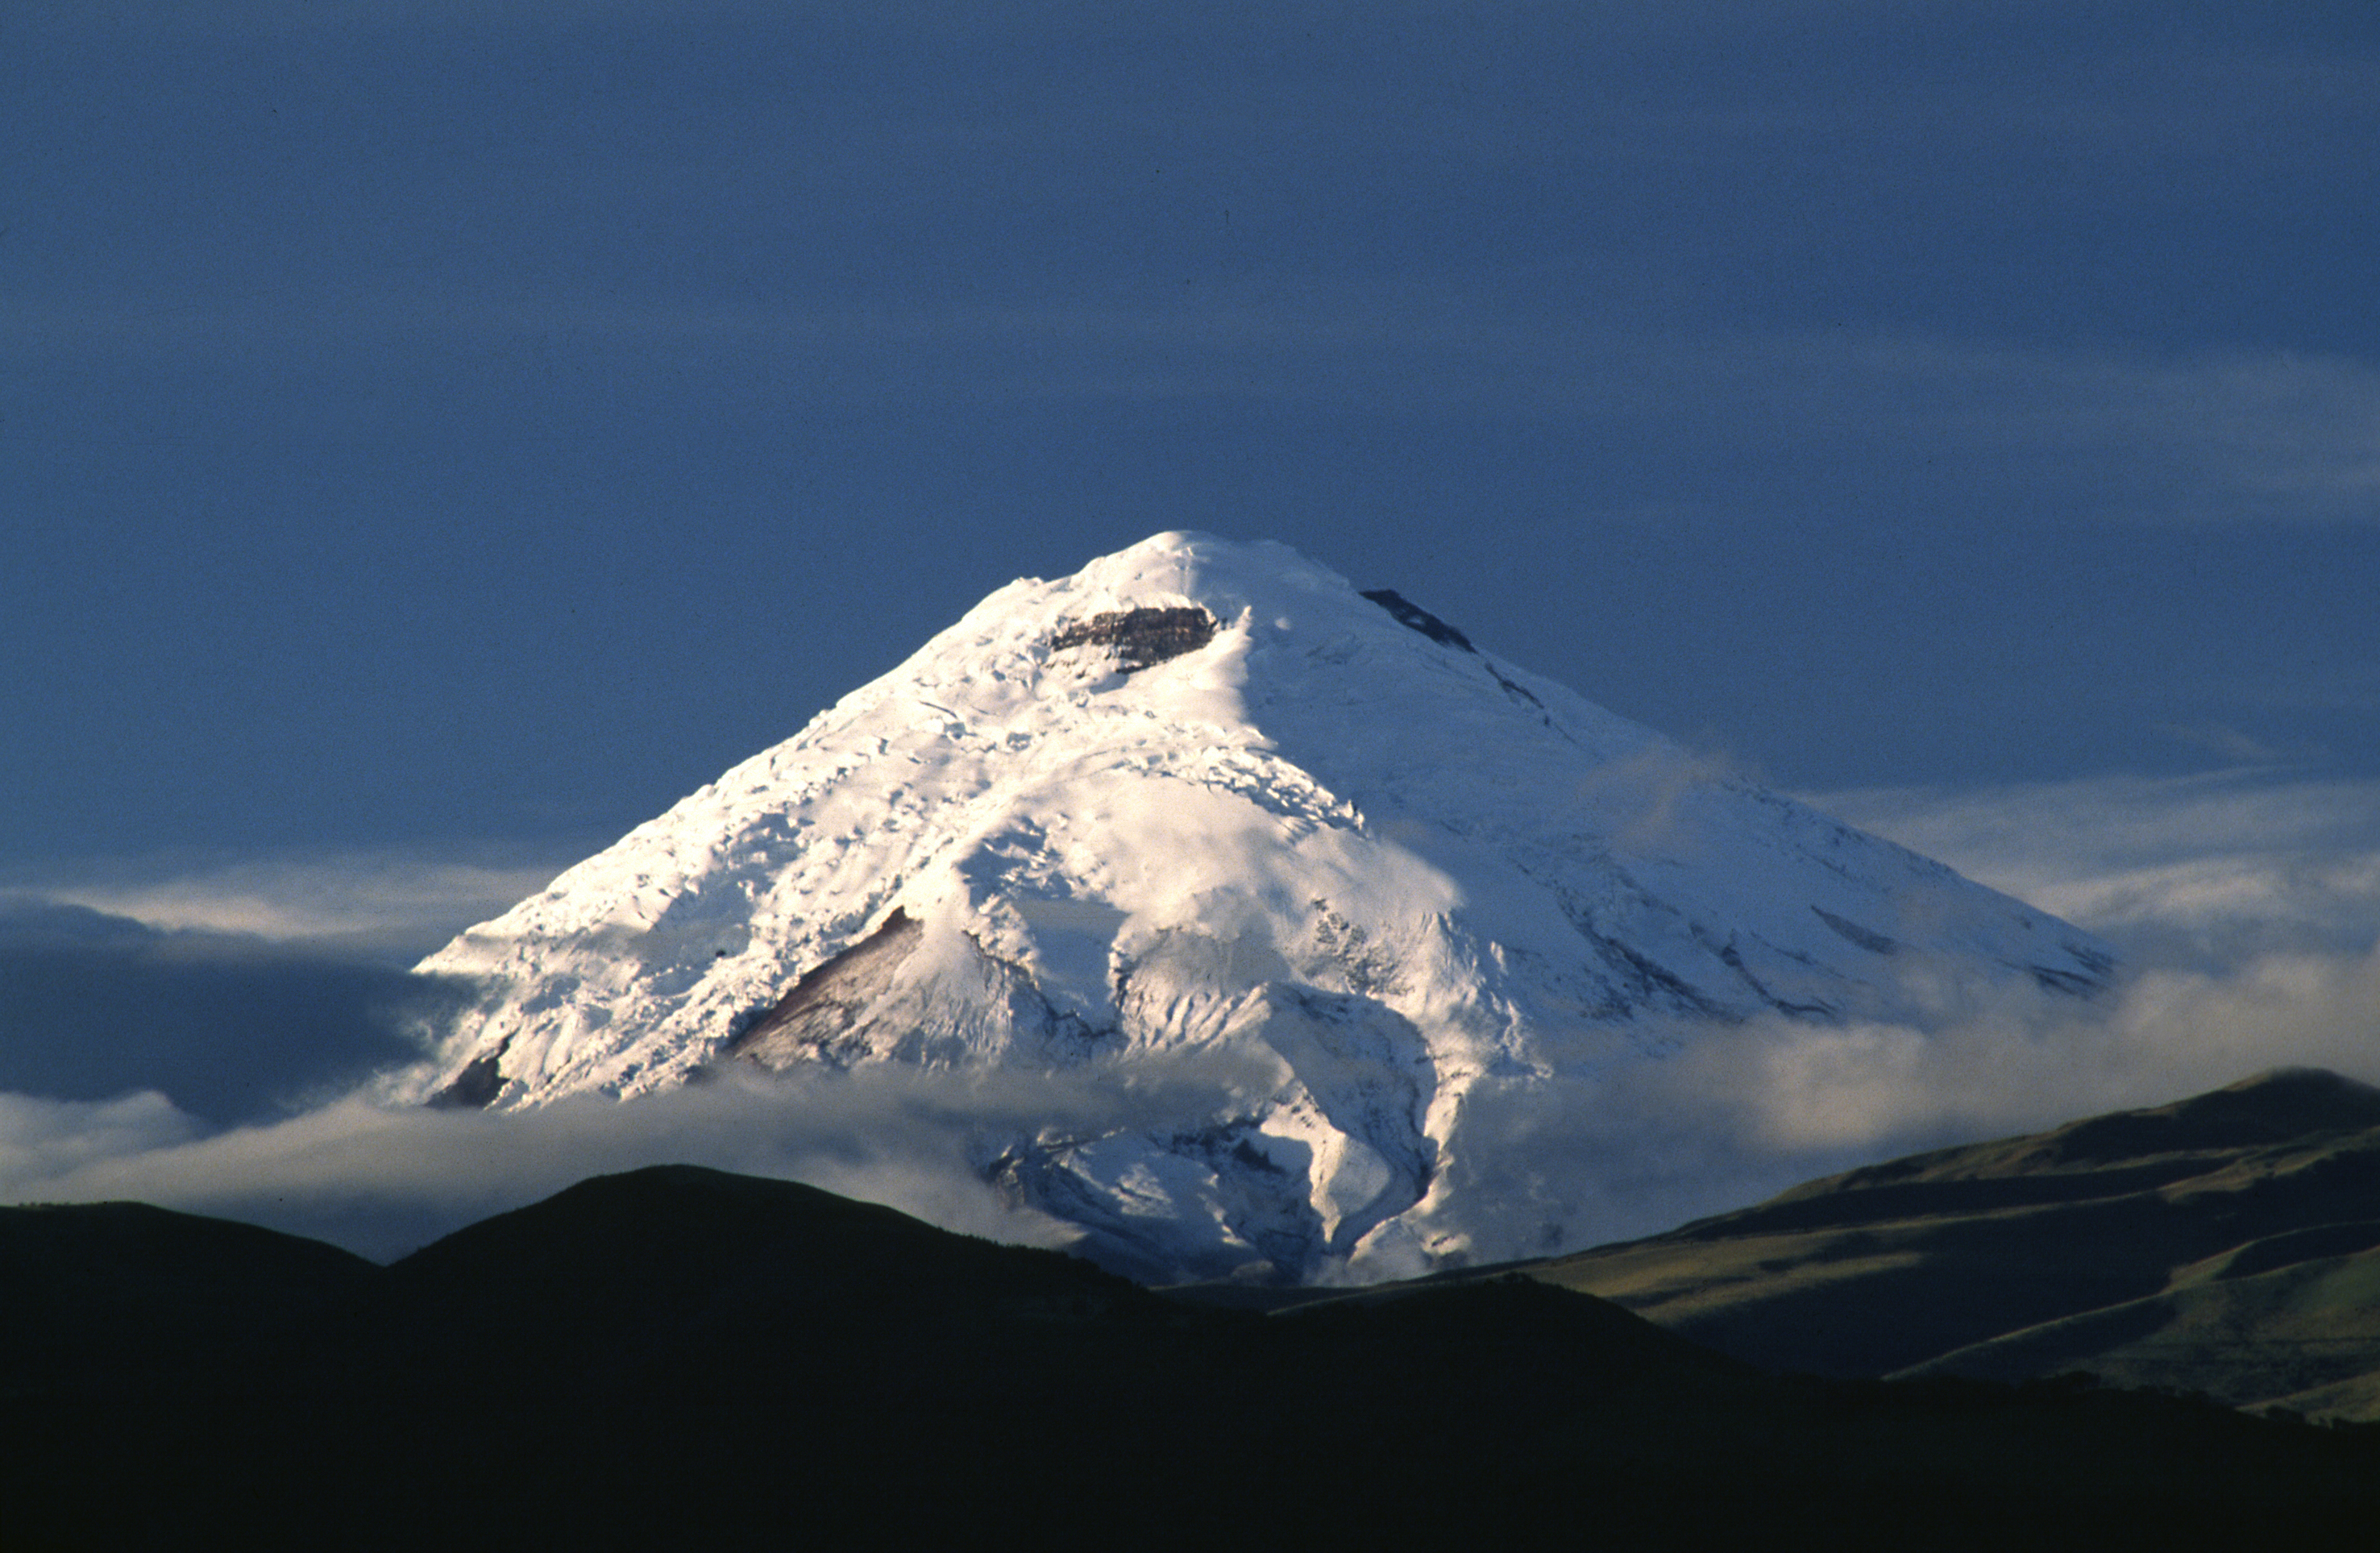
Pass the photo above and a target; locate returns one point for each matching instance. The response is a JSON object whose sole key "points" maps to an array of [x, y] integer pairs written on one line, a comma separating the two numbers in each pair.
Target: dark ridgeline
{"points": [[681, 1357]]}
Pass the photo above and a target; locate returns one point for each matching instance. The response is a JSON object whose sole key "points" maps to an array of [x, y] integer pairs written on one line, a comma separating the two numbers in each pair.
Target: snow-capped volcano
{"points": [[1205, 798]]}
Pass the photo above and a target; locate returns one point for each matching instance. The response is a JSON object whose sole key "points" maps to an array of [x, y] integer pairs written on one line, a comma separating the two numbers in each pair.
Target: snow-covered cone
{"points": [[1205, 799]]}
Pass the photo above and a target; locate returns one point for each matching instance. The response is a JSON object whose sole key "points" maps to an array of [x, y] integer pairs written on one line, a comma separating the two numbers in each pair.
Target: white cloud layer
{"points": [[2248, 908], [382, 1180]]}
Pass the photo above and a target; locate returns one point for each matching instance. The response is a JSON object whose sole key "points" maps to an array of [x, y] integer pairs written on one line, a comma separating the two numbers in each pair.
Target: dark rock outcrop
{"points": [[1413, 617], [1140, 638]]}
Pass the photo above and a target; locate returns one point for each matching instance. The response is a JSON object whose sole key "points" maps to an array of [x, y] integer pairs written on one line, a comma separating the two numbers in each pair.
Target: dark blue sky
{"points": [[437, 425], [435, 435]]}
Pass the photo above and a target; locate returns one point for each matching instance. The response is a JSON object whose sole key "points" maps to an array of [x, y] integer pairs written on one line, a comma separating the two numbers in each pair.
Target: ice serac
{"points": [[1204, 803]]}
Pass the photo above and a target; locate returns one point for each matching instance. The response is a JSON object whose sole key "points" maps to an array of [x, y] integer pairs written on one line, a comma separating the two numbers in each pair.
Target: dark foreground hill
{"points": [[2228, 1243], [680, 1357]]}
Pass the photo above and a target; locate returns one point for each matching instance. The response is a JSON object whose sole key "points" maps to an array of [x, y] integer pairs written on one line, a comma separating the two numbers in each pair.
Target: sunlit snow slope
{"points": [[1205, 799]]}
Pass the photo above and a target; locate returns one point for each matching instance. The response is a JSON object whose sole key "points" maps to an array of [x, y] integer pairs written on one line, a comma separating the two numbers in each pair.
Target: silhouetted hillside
{"points": [[677, 1357], [104, 1298]]}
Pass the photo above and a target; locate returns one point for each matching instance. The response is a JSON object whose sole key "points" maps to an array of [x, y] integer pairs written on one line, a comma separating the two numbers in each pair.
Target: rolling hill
{"points": [[679, 1356], [2229, 1243]]}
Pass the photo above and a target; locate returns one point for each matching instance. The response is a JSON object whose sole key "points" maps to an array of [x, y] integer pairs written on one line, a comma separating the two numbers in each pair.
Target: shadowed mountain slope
{"points": [[2229, 1243]]}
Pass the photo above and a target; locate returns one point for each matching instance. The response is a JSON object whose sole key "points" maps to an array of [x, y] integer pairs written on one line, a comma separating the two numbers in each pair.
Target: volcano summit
{"points": [[1206, 803]]}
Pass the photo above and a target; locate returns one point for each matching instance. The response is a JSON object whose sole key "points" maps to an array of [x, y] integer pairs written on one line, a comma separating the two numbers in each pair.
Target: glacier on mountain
{"points": [[1205, 800]]}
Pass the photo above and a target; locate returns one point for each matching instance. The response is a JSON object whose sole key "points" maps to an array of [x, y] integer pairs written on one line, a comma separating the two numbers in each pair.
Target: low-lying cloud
{"points": [[234, 1026], [1744, 1111], [2247, 907], [383, 1180]]}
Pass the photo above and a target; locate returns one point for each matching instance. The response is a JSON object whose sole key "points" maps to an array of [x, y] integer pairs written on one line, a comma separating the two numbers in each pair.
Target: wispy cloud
{"points": [[46, 1141], [1744, 1111], [2195, 436], [2171, 1034], [393, 905], [382, 1180], [2195, 872]]}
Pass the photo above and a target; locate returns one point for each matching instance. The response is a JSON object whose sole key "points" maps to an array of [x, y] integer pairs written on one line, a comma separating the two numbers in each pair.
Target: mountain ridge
{"points": [[676, 1350]]}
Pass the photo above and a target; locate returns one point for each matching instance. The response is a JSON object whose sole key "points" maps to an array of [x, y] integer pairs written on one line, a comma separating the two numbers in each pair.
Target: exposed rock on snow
{"points": [[1205, 799], [1140, 638]]}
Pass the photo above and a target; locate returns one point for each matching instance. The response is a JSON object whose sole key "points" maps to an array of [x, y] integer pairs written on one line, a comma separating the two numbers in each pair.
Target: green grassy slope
{"points": [[2227, 1244], [2304, 1336]]}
